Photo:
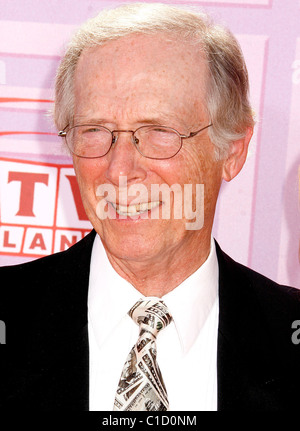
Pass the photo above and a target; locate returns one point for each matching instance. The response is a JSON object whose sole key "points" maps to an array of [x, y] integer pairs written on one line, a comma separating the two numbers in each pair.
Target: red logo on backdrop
{"points": [[40, 208]]}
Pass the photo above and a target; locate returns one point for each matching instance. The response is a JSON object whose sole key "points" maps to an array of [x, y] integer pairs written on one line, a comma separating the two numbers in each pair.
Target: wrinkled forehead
{"points": [[143, 60]]}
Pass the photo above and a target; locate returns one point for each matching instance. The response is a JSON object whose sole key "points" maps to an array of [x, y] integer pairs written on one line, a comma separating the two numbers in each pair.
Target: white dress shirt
{"points": [[186, 349]]}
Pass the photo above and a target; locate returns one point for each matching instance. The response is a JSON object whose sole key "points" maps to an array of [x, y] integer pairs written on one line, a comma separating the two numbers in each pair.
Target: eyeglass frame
{"points": [[63, 134]]}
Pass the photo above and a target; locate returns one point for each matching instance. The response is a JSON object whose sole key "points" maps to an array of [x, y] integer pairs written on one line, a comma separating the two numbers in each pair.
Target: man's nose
{"points": [[125, 160]]}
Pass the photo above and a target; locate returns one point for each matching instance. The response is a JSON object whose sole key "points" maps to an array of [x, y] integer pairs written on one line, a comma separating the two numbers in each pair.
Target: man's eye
{"points": [[91, 130], [160, 130]]}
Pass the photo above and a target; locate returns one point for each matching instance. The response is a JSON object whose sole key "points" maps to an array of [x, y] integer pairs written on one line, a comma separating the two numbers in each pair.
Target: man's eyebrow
{"points": [[154, 120], [78, 119], [170, 120]]}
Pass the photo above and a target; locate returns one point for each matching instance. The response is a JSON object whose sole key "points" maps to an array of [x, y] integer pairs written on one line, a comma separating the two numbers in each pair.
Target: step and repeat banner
{"points": [[258, 217]]}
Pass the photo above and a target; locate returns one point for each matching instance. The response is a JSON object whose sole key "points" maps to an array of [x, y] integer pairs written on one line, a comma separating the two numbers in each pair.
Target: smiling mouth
{"points": [[132, 210]]}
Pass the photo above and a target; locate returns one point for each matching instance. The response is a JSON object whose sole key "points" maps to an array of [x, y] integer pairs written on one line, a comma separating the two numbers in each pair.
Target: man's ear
{"points": [[237, 156]]}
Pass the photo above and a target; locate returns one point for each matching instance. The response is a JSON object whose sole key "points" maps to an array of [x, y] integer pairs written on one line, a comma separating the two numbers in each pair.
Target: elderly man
{"points": [[149, 97]]}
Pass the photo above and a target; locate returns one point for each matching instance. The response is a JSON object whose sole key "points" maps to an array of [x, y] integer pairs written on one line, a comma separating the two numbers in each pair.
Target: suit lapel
{"points": [[69, 368], [47, 361], [246, 363], [232, 376]]}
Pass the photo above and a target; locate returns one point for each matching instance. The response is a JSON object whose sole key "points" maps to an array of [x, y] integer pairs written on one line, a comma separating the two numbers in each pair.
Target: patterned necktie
{"points": [[141, 387]]}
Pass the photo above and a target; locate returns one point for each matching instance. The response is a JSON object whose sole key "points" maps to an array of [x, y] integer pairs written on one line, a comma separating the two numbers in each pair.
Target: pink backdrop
{"points": [[258, 218]]}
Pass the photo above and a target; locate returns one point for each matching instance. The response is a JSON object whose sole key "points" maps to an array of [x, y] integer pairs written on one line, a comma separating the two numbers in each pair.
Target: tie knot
{"points": [[151, 315]]}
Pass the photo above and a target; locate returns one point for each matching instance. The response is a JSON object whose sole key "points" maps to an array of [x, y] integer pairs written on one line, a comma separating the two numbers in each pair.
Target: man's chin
{"points": [[132, 250]]}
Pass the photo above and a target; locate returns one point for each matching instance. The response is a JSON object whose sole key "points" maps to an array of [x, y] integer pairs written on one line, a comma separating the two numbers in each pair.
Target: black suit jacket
{"points": [[45, 362]]}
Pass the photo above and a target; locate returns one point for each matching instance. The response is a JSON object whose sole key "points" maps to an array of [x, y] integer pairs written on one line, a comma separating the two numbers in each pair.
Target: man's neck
{"points": [[157, 277]]}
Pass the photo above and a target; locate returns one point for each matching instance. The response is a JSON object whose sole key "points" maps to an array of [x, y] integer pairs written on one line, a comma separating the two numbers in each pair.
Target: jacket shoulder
{"points": [[50, 263], [258, 346], [260, 311], [249, 279], [47, 276]]}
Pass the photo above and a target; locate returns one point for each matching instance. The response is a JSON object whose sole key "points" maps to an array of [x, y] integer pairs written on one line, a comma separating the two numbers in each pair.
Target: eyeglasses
{"points": [[154, 142]]}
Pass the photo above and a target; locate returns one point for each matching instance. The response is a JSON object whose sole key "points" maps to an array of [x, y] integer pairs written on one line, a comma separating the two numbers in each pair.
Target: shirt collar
{"points": [[191, 302], [111, 296]]}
